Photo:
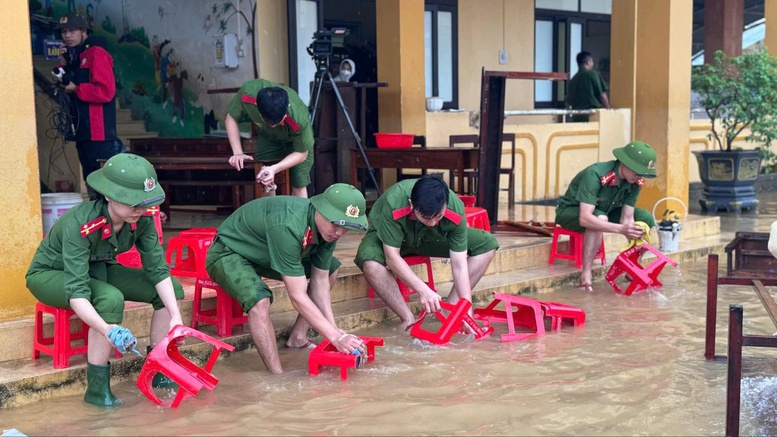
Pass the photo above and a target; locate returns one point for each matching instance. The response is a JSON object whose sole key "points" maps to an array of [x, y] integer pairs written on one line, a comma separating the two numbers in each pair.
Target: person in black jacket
{"points": [[89, 80]]}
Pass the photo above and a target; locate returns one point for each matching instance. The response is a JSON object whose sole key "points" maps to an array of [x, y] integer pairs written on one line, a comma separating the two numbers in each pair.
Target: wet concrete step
{"points": [[24, 380], [16, 335]]}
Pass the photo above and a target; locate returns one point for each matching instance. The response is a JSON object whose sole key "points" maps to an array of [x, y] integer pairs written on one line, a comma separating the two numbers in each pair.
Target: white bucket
{"points": [[669, 241], [53, 205]]}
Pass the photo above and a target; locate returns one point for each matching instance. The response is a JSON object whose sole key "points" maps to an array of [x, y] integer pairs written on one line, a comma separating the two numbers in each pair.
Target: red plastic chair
{"points": [[59, 345], [477, 218], [641, 277], [165, 358], [458, 316], [558, 312], [195, 243], [527, 314], [227, 314], [326, 354], [412, 261], [575, 252]]}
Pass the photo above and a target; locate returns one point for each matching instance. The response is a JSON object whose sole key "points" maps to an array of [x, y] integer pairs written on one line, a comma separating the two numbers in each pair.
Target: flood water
{"points": [[635, 368]]}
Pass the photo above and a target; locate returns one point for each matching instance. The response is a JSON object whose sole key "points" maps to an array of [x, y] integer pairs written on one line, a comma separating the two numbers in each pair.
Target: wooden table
{"points": [[459, 158], [217, 163]]}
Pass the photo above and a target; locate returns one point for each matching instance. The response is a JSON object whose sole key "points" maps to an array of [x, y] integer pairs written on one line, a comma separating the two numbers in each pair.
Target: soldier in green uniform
{"points": [[587, 90], [422, 217], [290, 239], [75, 266], [601, 198], [284, 133]]}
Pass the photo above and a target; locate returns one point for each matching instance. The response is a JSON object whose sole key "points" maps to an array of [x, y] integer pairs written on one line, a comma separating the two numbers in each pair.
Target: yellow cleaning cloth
{"points": [[639, 241]]}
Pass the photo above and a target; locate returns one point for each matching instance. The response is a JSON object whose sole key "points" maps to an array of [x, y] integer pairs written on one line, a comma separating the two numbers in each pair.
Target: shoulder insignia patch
{"points": [[402, 212], [609, 178], [291, 122], [452, 216], [245, 98], [93, 226], [308, 238]]}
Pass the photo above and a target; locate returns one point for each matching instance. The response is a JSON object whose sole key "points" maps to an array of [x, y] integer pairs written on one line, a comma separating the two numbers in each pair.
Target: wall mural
{"points": [[166, 55]]}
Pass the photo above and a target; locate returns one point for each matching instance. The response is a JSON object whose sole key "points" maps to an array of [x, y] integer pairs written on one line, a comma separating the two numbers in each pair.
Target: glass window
{"points": [[543, 60], [440, 50], [596, 6], [559, 5]]}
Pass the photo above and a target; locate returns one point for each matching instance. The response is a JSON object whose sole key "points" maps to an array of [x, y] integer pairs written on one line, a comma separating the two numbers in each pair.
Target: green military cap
{"points": [[343, 205], [639, 157], [72, 20], [128, 179]]}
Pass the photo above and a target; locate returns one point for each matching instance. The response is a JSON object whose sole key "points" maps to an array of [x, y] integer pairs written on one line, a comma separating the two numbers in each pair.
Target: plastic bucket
{"points": [[669, 240], [53, 205]]}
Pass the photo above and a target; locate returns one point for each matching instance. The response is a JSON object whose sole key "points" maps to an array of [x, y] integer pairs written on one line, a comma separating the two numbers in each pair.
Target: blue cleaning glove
{"points": [[120, 337]]}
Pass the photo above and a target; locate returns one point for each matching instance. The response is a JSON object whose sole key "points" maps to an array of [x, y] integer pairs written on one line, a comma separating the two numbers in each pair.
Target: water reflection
{"points": [[636, 368]]}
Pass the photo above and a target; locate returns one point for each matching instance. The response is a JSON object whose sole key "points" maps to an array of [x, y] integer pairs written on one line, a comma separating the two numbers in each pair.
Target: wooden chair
{"points": [[418, 141], [471, 175]]}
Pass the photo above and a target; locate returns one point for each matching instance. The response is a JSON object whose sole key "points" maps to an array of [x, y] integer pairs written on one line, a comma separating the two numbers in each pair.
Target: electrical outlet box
{"points": [[503, 57]]}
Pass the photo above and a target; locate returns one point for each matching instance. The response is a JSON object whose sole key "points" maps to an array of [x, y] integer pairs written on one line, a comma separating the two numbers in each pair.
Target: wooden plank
{"points": [[767, 300]]}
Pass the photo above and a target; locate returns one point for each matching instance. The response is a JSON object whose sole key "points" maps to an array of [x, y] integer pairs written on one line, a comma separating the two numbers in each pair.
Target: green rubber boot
{"points": [[98, 390], [160, 380]]}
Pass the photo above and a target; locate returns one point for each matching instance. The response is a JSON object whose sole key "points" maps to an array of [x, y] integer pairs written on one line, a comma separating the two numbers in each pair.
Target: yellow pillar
{"points": [[770, 15], [663, 89], [623, 78], [18, 163], [400, 41]]}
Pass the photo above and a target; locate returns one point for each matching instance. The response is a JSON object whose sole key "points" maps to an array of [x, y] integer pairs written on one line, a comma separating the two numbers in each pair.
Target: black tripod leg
{"points": [[315, 99], [353, 131]]}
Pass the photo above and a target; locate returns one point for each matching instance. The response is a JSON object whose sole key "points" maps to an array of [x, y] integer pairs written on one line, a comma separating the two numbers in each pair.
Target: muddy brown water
{"points": [[635, 368]]}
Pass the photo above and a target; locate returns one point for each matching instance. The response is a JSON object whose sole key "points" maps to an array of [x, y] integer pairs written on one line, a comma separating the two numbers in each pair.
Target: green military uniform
{"points": [[392, 223], [270, 237], [294, 134], [599, 185], [584, 92], [77, 259]]}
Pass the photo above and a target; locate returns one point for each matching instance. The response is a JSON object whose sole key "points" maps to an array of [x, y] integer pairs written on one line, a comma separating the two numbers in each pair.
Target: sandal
{"points": [[587, 287]]}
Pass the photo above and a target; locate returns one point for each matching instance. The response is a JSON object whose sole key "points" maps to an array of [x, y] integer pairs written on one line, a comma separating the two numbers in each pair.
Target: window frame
{"points": [[451, 6]]}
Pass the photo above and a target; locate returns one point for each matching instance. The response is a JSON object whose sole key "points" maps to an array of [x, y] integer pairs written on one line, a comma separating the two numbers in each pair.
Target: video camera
{"points": [[324, 42]]}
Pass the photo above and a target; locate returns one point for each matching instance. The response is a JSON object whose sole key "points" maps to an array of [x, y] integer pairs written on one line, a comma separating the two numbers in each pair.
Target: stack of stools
{"points": [[575, 252], [476, 217], [196, 243], [165, 358], [131, 258], [59, 345], [228, 313], [412, 261], [641, 277], [326, 354], [457, 320], [527, 313]]}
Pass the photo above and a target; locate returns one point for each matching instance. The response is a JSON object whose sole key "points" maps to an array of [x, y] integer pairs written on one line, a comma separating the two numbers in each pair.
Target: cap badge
{"points": [[651, 164], [352, 211], [149, 184], [63, 20]]}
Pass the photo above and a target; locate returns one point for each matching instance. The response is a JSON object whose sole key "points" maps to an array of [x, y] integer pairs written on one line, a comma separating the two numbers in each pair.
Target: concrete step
{"points": [[131, 128], [24, 380], [16, 335], [123, 116]]}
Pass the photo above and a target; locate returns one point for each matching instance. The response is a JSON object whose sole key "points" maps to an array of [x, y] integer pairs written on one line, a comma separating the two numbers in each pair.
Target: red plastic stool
{"points": [[58, 346], [458, 316], [641, 277], [575, 252], [227, 314], [198, 232], [326, 354], [468, 200], [413, 260], [165, 358], [477, 218], [558, 312], [131, 258], [527, 314], [196, 243]]}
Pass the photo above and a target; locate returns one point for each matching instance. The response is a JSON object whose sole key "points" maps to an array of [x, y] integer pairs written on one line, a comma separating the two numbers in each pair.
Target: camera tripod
{"points": [[323, 75]]}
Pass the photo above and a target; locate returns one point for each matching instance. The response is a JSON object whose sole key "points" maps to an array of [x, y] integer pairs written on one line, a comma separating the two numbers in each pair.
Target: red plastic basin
{"points": [[393, 141]]}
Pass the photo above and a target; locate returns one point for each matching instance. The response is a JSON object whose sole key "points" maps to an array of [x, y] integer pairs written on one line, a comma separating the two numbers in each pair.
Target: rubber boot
{"points": [[160, 380], [98, 390]]}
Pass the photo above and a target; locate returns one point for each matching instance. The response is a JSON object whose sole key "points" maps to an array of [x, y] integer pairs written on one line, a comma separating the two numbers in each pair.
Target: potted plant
{"points": [[739, 94]]}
